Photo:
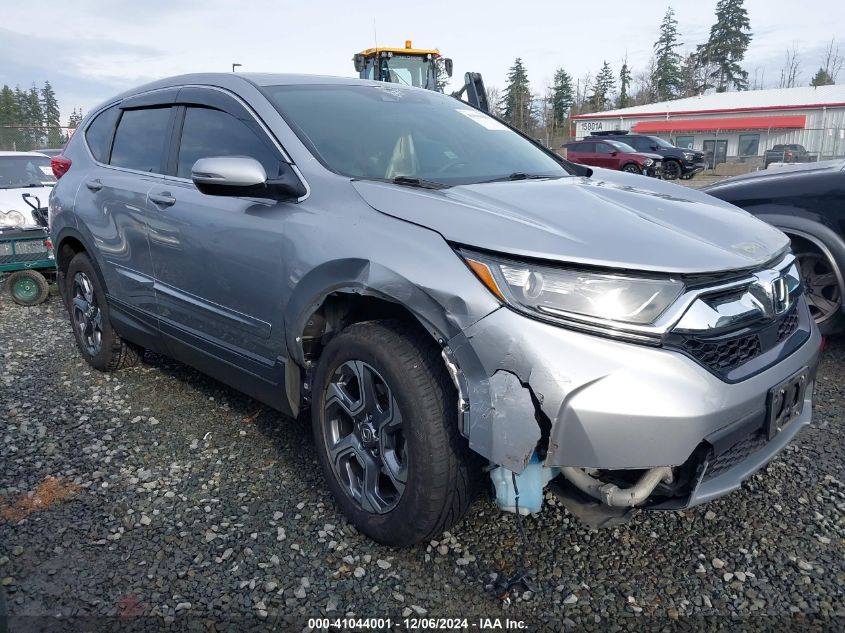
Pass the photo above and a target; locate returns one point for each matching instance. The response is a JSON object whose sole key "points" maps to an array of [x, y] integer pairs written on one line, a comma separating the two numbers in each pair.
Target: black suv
{"points": [[677, 162]]}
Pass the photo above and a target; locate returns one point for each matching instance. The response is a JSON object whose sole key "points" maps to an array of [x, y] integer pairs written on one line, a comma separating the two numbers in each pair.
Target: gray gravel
{"points": [[200, 505]]}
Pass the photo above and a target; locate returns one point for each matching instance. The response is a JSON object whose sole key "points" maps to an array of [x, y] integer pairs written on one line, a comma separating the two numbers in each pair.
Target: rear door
{"points": [[219, 262], [128, 143]]}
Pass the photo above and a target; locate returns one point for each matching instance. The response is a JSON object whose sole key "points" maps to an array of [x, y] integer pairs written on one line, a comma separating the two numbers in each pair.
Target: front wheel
{"points": [[28, 287], [671, 170], [384, 417], [824, 295], [631, 168]]}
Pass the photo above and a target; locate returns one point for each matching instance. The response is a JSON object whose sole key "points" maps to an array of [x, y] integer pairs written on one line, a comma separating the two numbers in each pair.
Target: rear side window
{"points": [[586, 147], [100, 132], [207, 133], [140, 139]]}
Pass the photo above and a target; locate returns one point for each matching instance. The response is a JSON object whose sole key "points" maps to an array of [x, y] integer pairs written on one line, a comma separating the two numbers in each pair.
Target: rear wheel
{"points": [[824, 294], [385, 424], [100, 345], [631, 168], [28, 287], [671, 170]]}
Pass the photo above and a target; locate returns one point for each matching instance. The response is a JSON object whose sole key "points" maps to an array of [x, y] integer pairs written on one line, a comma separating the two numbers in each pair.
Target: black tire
{"points": [[28, 287], [672, 170], [441, 477], [631, 168], [823, 292], [109, 352]]}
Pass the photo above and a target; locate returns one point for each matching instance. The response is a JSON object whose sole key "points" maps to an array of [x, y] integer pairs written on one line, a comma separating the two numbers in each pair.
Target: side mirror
{"points": [[447, 64], [614, 153], [358, 60], [653, 148], [237, 176]]}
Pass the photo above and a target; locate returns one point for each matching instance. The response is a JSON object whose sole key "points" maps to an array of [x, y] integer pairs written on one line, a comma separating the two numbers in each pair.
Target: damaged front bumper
{"points": [[611, 407]]}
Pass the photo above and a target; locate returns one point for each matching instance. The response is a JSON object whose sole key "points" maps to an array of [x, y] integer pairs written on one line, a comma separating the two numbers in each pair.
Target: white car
{"points": [[20, 173]]}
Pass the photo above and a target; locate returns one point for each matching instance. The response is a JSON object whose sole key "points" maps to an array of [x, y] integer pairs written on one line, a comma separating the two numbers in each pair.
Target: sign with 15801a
{"points": [[584, 128]]}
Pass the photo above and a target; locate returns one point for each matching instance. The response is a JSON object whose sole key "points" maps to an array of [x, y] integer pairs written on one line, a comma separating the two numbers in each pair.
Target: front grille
{"points": [[736, 454], [787, 324], [725, 353]]}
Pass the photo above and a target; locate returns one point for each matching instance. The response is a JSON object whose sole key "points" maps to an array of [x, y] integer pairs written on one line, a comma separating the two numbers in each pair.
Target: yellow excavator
{"points": [[418, 67]]}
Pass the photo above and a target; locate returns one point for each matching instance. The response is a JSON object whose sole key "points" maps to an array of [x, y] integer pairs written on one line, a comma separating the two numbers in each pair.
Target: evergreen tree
{"points": [[726, 47], [52, 116], [667, 77], [822, 78], [9, 116], [603, 88], [75, 119], [563, 96], [624, 84], [516, 101]]}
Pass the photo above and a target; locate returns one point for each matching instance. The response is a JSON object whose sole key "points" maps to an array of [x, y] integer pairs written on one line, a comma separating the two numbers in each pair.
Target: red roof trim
{"points": [[602, 115], [792, 121]]}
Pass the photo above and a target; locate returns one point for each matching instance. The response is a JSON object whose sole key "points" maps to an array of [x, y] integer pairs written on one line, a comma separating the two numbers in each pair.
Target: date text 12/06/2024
{"points": [[417, 624]]}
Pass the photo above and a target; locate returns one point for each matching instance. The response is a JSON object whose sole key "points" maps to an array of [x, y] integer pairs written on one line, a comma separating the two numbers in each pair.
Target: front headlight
{"points": [[12, 218], [689, 155], [571, 293], [648, 162]]}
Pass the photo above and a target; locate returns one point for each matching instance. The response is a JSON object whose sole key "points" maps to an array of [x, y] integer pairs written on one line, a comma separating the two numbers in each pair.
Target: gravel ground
{"points": [[186, 500]]}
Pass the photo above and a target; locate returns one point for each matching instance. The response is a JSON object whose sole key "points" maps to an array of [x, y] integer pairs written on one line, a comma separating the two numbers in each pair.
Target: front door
{"points": [[219, 261]]}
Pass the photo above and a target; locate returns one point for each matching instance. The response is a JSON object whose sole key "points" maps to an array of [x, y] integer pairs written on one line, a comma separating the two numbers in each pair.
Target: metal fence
{"points": [[24, 139]]}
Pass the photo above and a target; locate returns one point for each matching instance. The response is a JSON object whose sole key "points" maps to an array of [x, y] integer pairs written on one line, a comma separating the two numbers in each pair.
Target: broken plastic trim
{"points": [[459, 381]]}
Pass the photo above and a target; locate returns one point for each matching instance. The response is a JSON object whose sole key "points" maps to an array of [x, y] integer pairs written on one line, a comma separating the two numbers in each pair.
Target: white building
{"points": [[737, 126]]}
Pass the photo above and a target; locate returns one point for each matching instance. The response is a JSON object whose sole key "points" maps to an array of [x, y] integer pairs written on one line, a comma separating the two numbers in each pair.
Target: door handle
{"points": [[163, 199], [94, 185]]}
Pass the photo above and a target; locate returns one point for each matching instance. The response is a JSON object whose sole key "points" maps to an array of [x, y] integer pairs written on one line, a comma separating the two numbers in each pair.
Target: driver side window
{"points": [[207, 132]]}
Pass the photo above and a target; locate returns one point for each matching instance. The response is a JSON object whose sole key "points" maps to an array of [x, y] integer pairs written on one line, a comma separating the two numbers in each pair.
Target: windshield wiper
{"points": [[409, 181], [520, 175]]}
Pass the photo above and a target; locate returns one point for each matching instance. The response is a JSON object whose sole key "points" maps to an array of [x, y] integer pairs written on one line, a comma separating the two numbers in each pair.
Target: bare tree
{"points": [[791, 71], [494, 96], [832, 60]]}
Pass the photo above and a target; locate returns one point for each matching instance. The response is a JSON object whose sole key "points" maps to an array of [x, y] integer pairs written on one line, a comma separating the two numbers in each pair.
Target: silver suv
{"points": [[447, 298]]}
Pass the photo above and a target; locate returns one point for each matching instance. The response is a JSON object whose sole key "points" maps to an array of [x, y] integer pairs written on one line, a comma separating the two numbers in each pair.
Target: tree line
{"points": [[714, 65], [30, 119]]}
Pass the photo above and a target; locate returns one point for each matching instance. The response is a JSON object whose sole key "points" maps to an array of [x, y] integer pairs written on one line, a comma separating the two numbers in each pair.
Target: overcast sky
{"points": [[90, 50]]}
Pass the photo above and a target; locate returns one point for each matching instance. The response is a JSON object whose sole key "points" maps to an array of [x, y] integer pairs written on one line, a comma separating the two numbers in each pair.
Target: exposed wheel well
{"points": [[341, 309], [68, 249]]}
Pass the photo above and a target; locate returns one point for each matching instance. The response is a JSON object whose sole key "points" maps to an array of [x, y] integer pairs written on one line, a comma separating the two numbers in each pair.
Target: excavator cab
{"points": [[408, 66]]}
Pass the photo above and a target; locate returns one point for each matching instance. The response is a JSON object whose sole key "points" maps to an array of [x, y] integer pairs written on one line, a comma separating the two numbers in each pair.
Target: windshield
{"points": [[623, 147], [661, 143], [408, 70], [25, 171], [384, 132]]}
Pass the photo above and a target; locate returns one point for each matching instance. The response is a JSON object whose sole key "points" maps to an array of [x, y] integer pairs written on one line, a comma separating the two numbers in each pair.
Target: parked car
{"points": [[791, 153], [23, 173], [677, 162], [442, 293], [613, 155], [807, 202]]}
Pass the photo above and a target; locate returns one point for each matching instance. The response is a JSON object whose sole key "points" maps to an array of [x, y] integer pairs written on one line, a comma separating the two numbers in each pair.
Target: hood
{"points": [[11, 200], [611, 219]]}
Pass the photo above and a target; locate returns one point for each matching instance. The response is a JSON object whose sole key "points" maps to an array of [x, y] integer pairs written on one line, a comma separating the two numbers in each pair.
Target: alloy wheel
{"points": [[363, 431], [671, 170], [824, 295], [87, 317]]}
